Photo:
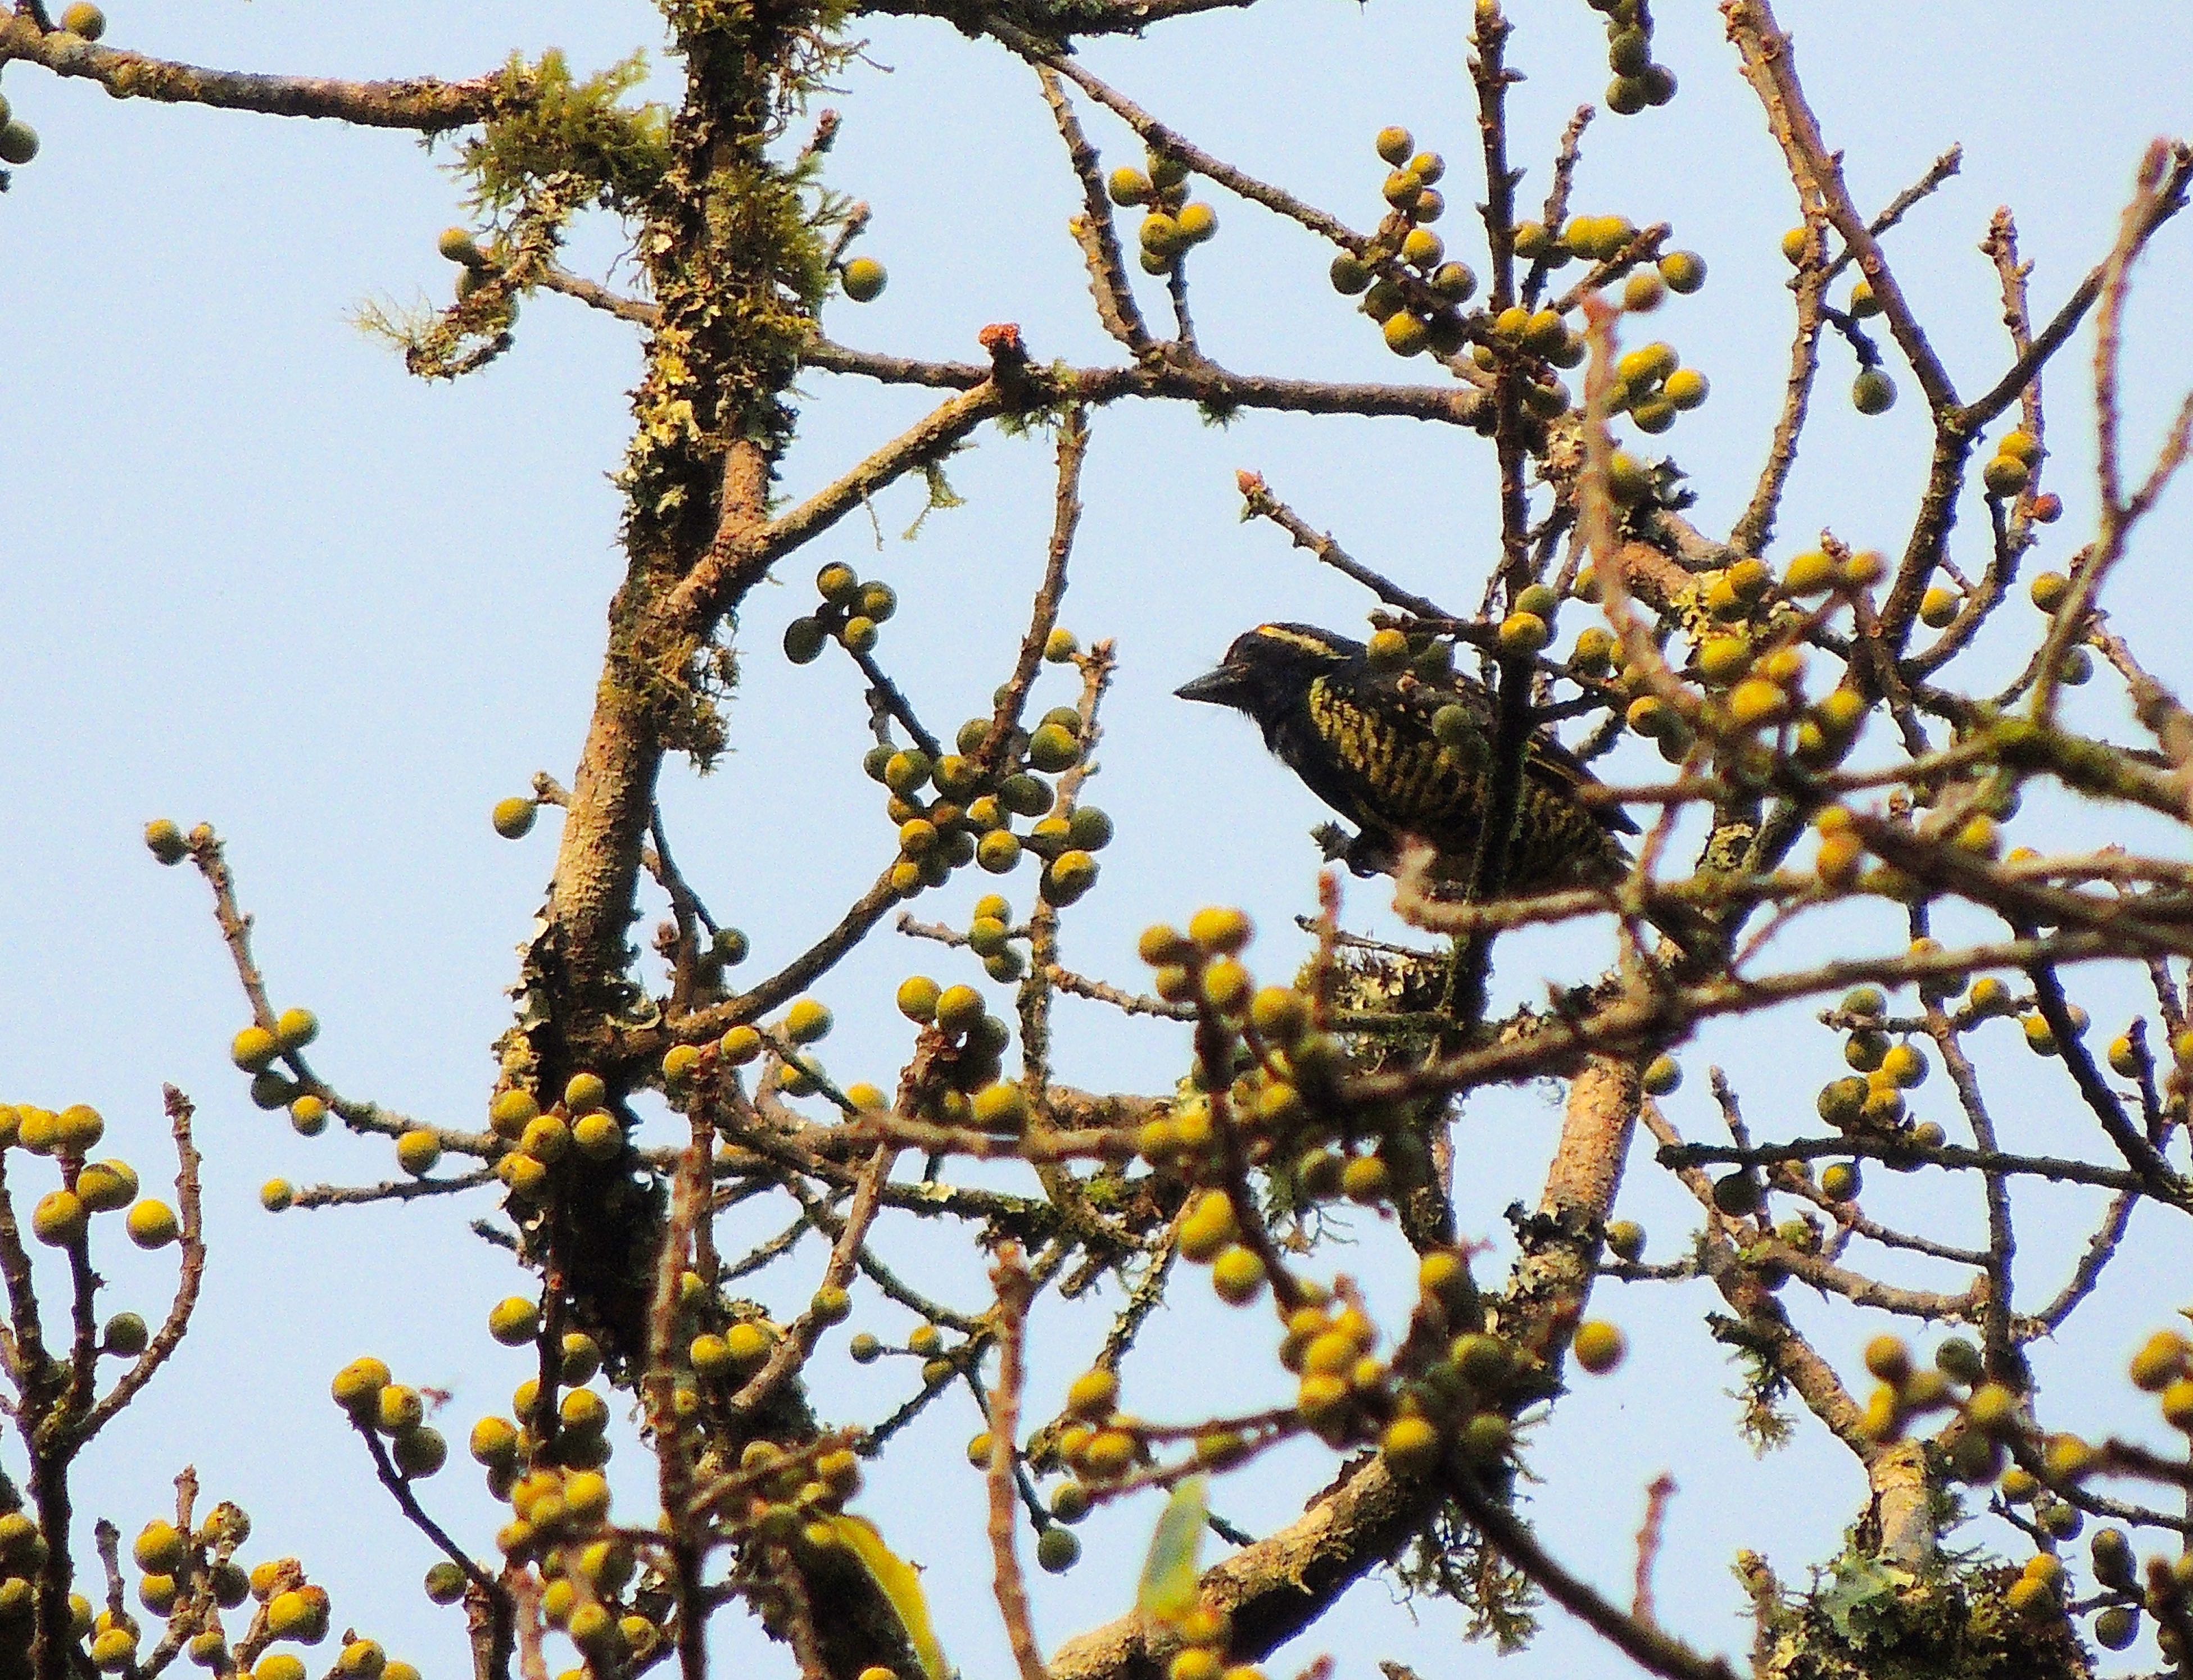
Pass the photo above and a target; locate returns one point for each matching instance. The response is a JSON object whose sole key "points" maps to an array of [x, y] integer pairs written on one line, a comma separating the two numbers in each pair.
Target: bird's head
{"points": [[1269, 667]]}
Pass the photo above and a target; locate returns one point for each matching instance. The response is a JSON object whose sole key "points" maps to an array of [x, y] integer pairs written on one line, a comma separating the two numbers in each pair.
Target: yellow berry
{"points": [[1394, 145], [1522, 634], [1219, 932], [1406, 335], [155, 1225], [599, 1135], [1237, 1274], [1684, 271], [864, 279], [1599, 1346], [2161, 1361], [2005, 476], [1411, 1445], [254, 1049], [164, 840], [509, 1113], [514, 818], [514, 1321]]}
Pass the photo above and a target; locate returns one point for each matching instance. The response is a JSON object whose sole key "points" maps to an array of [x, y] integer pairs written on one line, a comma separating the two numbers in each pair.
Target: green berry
{"points": [[125, 1336], [85, 20], [1736, 1193], [1052, 748], [19, 143], [418, 1453], [1873, 393], [959, 1009], [1160, 236], [1629, 480], [1001, 1108], [1455, 282], [1625, 1240], [1057, 1549], [803, 641]]}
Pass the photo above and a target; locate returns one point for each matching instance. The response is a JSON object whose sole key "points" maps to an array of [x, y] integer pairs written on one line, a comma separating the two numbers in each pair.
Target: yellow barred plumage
{"points": [[1363, 741]]}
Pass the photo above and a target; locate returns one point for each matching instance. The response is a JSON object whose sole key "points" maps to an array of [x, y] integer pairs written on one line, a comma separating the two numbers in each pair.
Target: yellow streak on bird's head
{"points": [[1298, 636]]}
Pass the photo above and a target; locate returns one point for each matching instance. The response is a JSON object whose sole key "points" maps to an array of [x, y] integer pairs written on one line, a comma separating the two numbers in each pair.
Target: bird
{"points": [[1403, 752]]}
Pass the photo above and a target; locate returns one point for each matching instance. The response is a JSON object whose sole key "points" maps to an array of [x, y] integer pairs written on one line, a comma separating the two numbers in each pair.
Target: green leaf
{"points": [[1168, 1588], [899, 1582]]}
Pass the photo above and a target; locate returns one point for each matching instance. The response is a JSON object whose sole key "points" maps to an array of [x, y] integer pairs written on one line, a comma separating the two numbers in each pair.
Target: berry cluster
{"points": [[1173, 223], [958, 808], [1638, 82], [955, 1075], [1407, 285]]}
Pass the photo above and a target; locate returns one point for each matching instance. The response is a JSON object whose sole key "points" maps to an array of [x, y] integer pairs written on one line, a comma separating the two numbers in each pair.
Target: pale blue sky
{"points": [[252, 573]]}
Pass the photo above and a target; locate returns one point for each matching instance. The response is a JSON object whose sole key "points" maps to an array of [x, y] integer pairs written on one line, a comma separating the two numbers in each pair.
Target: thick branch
{"points": [[417, 102]]}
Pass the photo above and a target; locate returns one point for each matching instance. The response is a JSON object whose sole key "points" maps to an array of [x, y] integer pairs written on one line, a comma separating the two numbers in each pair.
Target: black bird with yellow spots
{"points": [[1364, 740]]}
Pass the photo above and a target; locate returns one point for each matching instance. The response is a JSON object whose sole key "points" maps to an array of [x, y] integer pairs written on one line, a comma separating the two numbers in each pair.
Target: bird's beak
{"points": [[1228, 685]]}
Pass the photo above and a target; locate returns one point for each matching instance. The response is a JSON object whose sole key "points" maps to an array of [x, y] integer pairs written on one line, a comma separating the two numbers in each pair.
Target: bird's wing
{"points": [[1560, 768], [1548, 762]]}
